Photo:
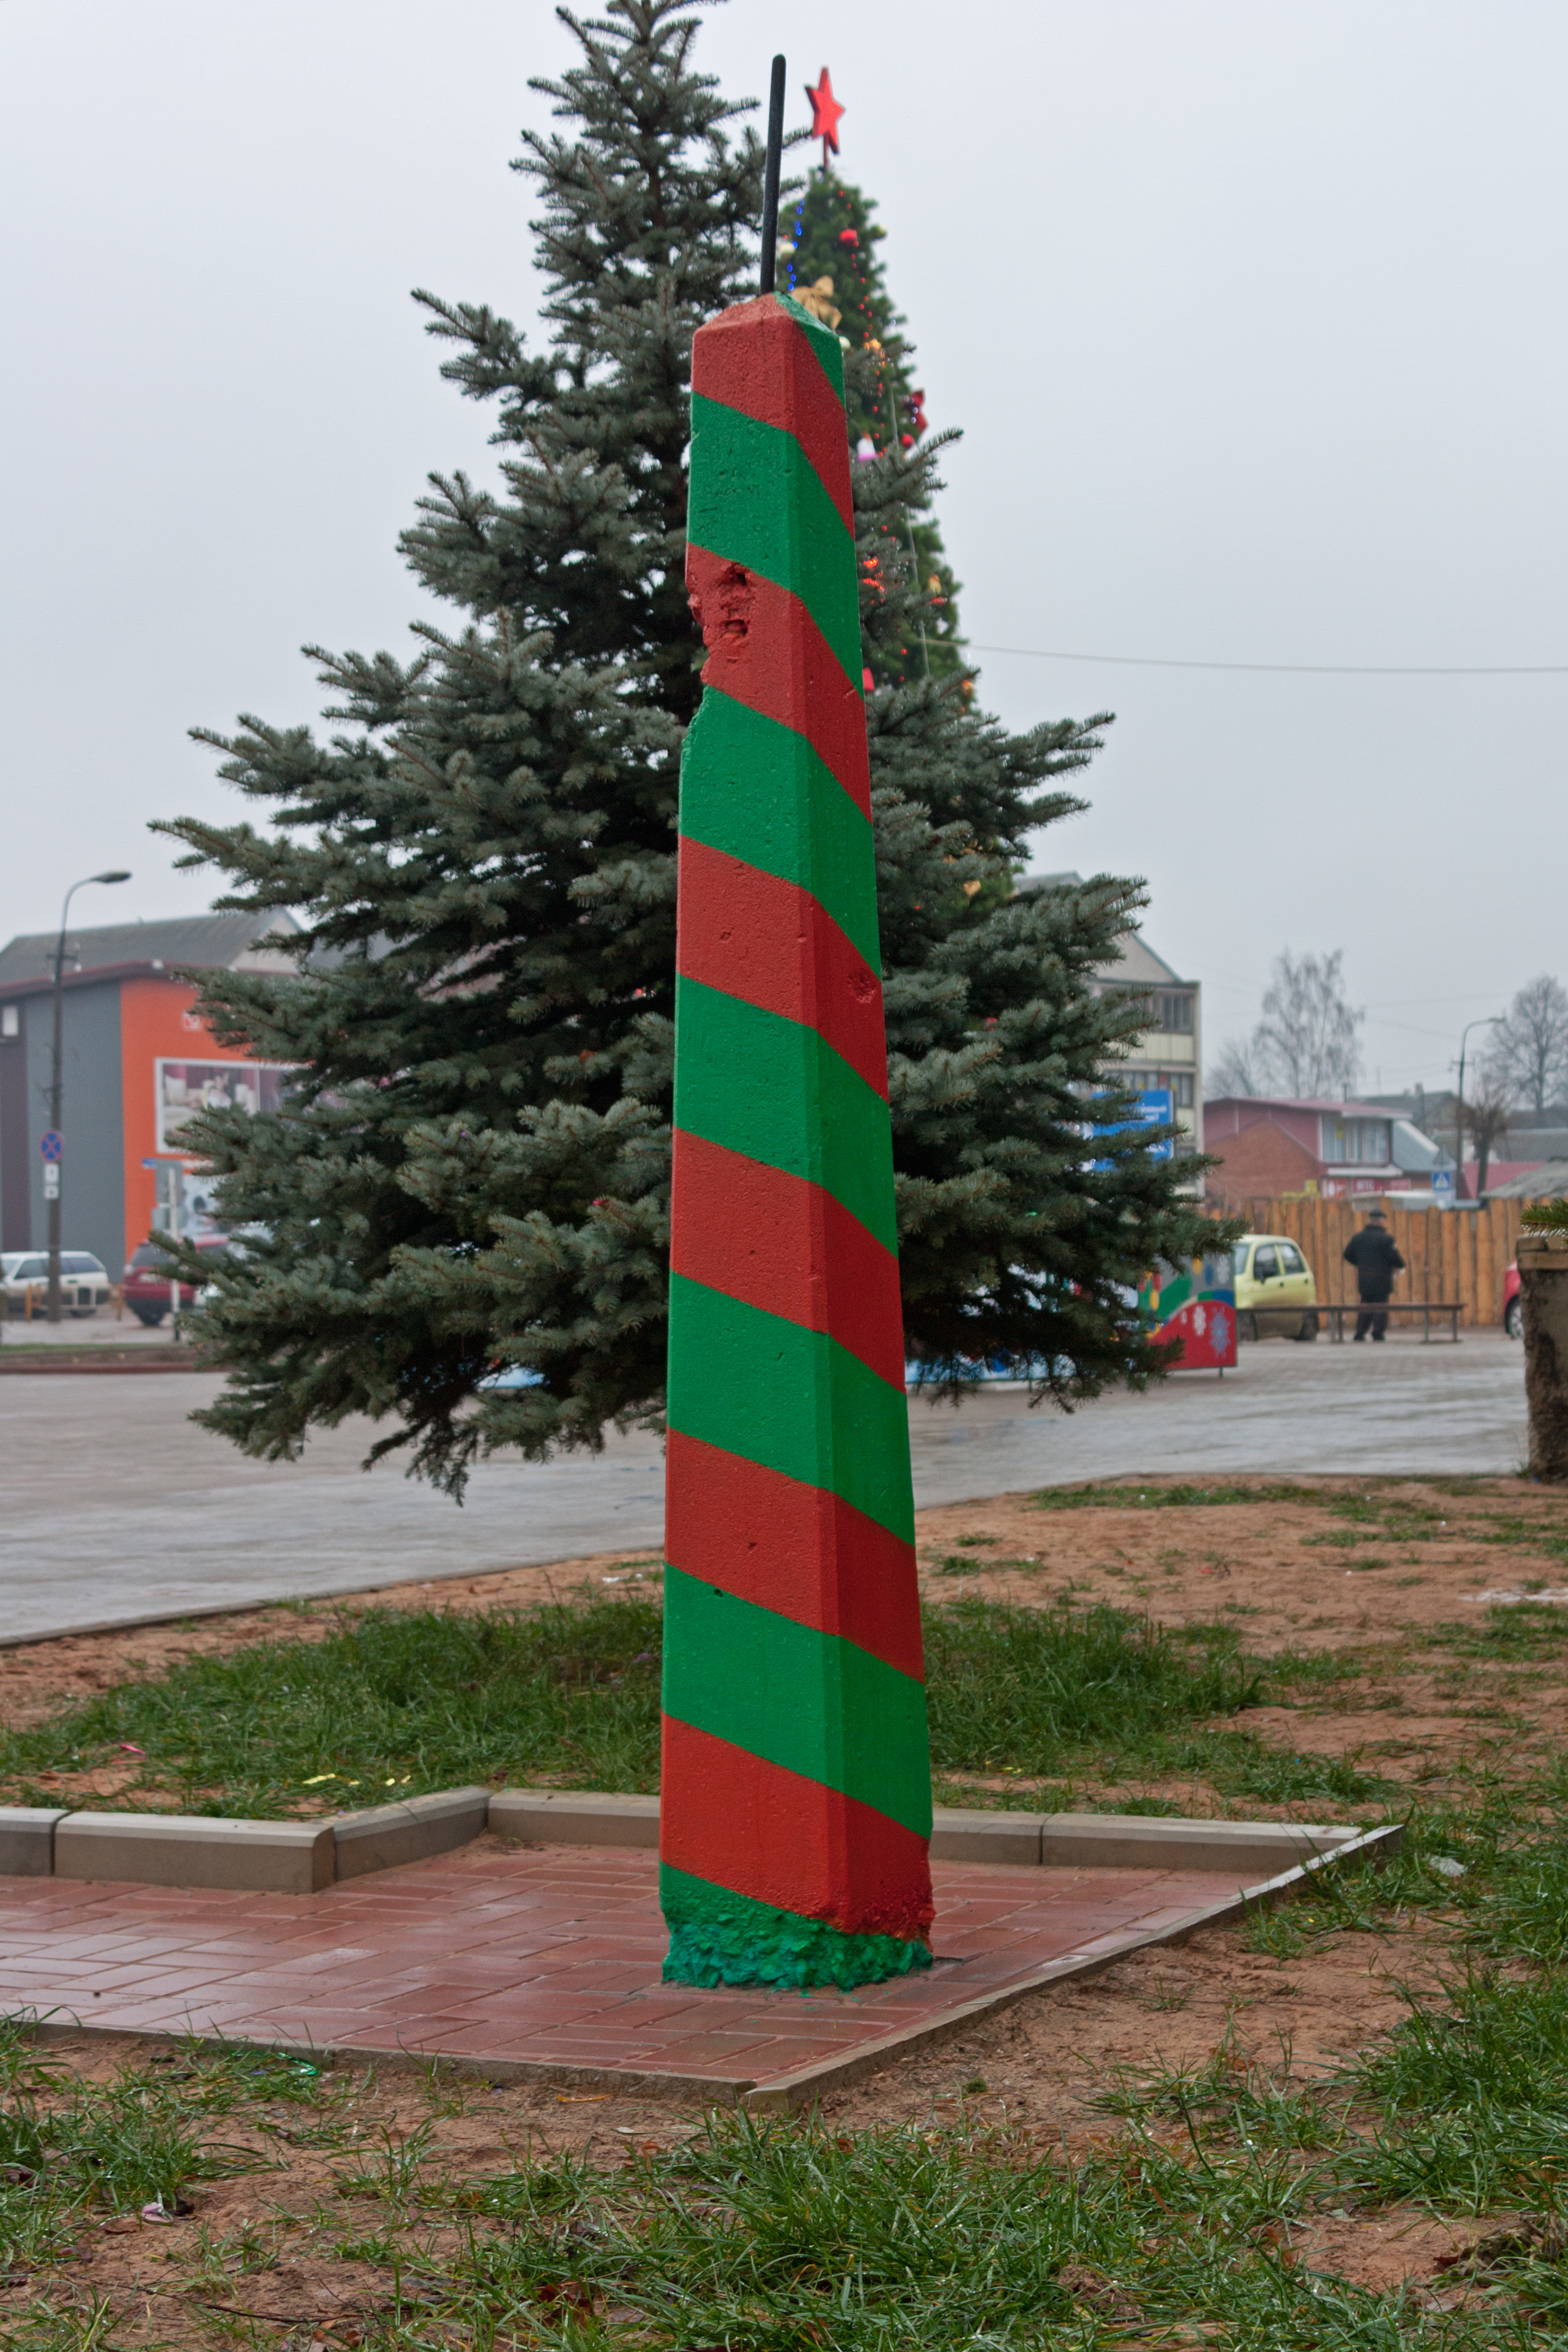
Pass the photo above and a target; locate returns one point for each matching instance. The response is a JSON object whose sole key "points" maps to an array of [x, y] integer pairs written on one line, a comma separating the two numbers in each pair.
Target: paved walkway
{"points": [[117, 1510], [537, 1959]]}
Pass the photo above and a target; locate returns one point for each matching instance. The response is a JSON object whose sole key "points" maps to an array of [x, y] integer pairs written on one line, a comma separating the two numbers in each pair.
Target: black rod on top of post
{"points": [[771, 179]]}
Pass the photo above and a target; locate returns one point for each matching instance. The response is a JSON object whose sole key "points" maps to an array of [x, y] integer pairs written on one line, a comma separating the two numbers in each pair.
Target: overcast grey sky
{"points": [[1251, 310]]}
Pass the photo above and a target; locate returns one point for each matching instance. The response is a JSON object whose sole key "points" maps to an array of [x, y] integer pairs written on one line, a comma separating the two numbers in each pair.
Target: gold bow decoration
{"points": [[818, 299]]}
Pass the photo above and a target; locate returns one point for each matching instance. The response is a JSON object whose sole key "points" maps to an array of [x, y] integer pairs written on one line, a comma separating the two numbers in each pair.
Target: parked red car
{"points": [[1512, 1312], [149, 1292]]}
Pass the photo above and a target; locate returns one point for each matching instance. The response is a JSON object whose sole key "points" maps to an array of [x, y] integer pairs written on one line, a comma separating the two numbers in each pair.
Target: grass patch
{"points": [[390, 1704], [393, 1703], [760, 2236], [142, 2138], [1516, 1632], [1111, 1497]]}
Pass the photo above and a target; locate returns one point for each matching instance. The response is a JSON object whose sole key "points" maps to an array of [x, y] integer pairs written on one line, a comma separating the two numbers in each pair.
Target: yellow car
{"points": [[1275, 1289]]}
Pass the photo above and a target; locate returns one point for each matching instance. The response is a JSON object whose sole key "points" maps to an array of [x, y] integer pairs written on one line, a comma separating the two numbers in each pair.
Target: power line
{"points": [[1296, 669]]}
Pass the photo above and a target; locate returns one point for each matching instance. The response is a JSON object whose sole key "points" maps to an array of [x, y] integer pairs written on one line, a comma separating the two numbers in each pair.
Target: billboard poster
{"points": [[1151, 1106], [1156, 1108], [186, 1203], [185, 1089], [1196, 1306]]}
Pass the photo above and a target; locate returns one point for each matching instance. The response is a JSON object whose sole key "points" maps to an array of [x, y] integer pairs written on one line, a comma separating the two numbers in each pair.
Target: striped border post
{"points": [[796, 1814]]}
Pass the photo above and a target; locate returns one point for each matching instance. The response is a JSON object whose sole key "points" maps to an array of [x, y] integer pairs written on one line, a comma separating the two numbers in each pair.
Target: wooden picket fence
{"points": [[1462, 1252]]}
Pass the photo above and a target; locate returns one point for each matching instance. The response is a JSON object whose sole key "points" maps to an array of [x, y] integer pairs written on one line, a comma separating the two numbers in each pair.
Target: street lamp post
{"points": [[1488, 1021], [56, 1073]]}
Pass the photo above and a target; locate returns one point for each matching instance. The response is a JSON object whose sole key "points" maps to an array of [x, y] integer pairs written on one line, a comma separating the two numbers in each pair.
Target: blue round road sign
{"points": [[53, 1144]]}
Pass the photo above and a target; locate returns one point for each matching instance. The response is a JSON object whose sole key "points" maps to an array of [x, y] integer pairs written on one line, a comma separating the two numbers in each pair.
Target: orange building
{"points": [[138, 1062]]}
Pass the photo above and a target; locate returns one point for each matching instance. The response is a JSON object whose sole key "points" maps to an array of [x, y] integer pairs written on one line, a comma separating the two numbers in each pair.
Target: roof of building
{"points": [[221, 942], [1547, 1182], [1305, 1102], [1136, 962]]}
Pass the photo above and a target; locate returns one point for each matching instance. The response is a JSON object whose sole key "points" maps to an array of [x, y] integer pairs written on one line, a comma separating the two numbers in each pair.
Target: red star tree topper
{"points": [[825, 111]]}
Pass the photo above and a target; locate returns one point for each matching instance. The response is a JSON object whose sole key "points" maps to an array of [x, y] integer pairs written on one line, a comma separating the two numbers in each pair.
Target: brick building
{"points": [[1270, 1145], [138, 1060]]}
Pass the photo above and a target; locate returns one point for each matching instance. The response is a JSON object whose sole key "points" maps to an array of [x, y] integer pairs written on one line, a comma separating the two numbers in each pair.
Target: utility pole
{"points": [[1489, 1021], [53, 1146]]}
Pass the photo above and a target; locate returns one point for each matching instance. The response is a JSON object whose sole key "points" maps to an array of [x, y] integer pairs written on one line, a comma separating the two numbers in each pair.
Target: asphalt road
{"points": [[116, 1510]]}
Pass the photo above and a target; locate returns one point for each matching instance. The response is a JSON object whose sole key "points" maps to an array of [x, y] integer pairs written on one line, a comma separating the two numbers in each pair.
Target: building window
{"points": [[1168, 1009], [1173, 1010], [1364, 1141], [1178, 1081]]}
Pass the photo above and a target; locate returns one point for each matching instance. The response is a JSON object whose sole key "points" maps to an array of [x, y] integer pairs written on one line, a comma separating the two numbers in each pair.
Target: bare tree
{"points": [[1529, 1053], [1306, 1043], [1486, 1119], [1233, 1070]]}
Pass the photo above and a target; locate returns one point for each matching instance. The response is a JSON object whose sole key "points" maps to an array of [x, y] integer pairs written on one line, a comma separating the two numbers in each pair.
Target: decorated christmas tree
{"points": [[472, 1170], [829, 259]]}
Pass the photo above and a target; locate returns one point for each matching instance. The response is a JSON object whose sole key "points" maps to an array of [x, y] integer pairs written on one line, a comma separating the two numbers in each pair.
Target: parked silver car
{"points": [[85, 1286]]}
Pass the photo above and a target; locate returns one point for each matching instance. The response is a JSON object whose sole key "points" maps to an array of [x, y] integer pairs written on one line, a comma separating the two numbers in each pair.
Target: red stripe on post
{"points": [[786, 1841], [750, 935], [781, 1243], [796, 1549], [756, 357], [765, 650]]}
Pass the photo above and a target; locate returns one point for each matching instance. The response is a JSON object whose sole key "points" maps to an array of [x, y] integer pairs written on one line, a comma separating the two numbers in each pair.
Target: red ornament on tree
{"points": [[825, 111]]}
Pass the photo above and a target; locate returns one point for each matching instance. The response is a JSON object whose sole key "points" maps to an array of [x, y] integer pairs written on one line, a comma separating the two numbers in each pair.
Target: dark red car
{"points": [[149, 1292]]}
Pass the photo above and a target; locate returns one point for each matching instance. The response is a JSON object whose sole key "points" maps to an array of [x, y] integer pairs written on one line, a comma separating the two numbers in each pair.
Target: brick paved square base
{"points": [[545, 1960]]}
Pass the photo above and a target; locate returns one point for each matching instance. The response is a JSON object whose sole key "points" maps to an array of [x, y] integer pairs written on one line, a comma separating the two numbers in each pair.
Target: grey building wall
{"points": [[92, 1184]]}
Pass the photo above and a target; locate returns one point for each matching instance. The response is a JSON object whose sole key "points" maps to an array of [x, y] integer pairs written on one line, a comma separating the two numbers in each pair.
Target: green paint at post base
{"points": [[719, 1937]]}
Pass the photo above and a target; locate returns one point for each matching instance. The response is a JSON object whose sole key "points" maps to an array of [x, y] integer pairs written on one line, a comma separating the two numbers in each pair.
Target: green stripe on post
{"points": [[810, 1701], [772, 1392], [757, 790], [758, 1082], [756, 500]]}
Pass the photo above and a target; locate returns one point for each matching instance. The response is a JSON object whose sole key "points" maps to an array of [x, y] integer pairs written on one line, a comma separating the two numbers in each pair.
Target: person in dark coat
{"points": [[1376, 1262]]}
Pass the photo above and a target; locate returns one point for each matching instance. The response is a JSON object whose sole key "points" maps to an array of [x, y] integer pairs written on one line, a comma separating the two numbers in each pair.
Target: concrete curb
{"points": [[95, 1360], [575, 1817], [1048, 1840], [186, 1850], [305, 1857], [28, 1841], [384, 1835]]}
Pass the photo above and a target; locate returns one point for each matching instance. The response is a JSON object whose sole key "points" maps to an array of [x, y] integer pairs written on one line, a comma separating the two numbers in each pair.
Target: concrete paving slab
{"points": [[342, 1974], [118, 1511]]}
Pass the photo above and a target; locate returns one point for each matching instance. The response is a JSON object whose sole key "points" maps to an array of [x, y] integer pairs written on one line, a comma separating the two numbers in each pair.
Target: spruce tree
{"points": [[472, 1168]]}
